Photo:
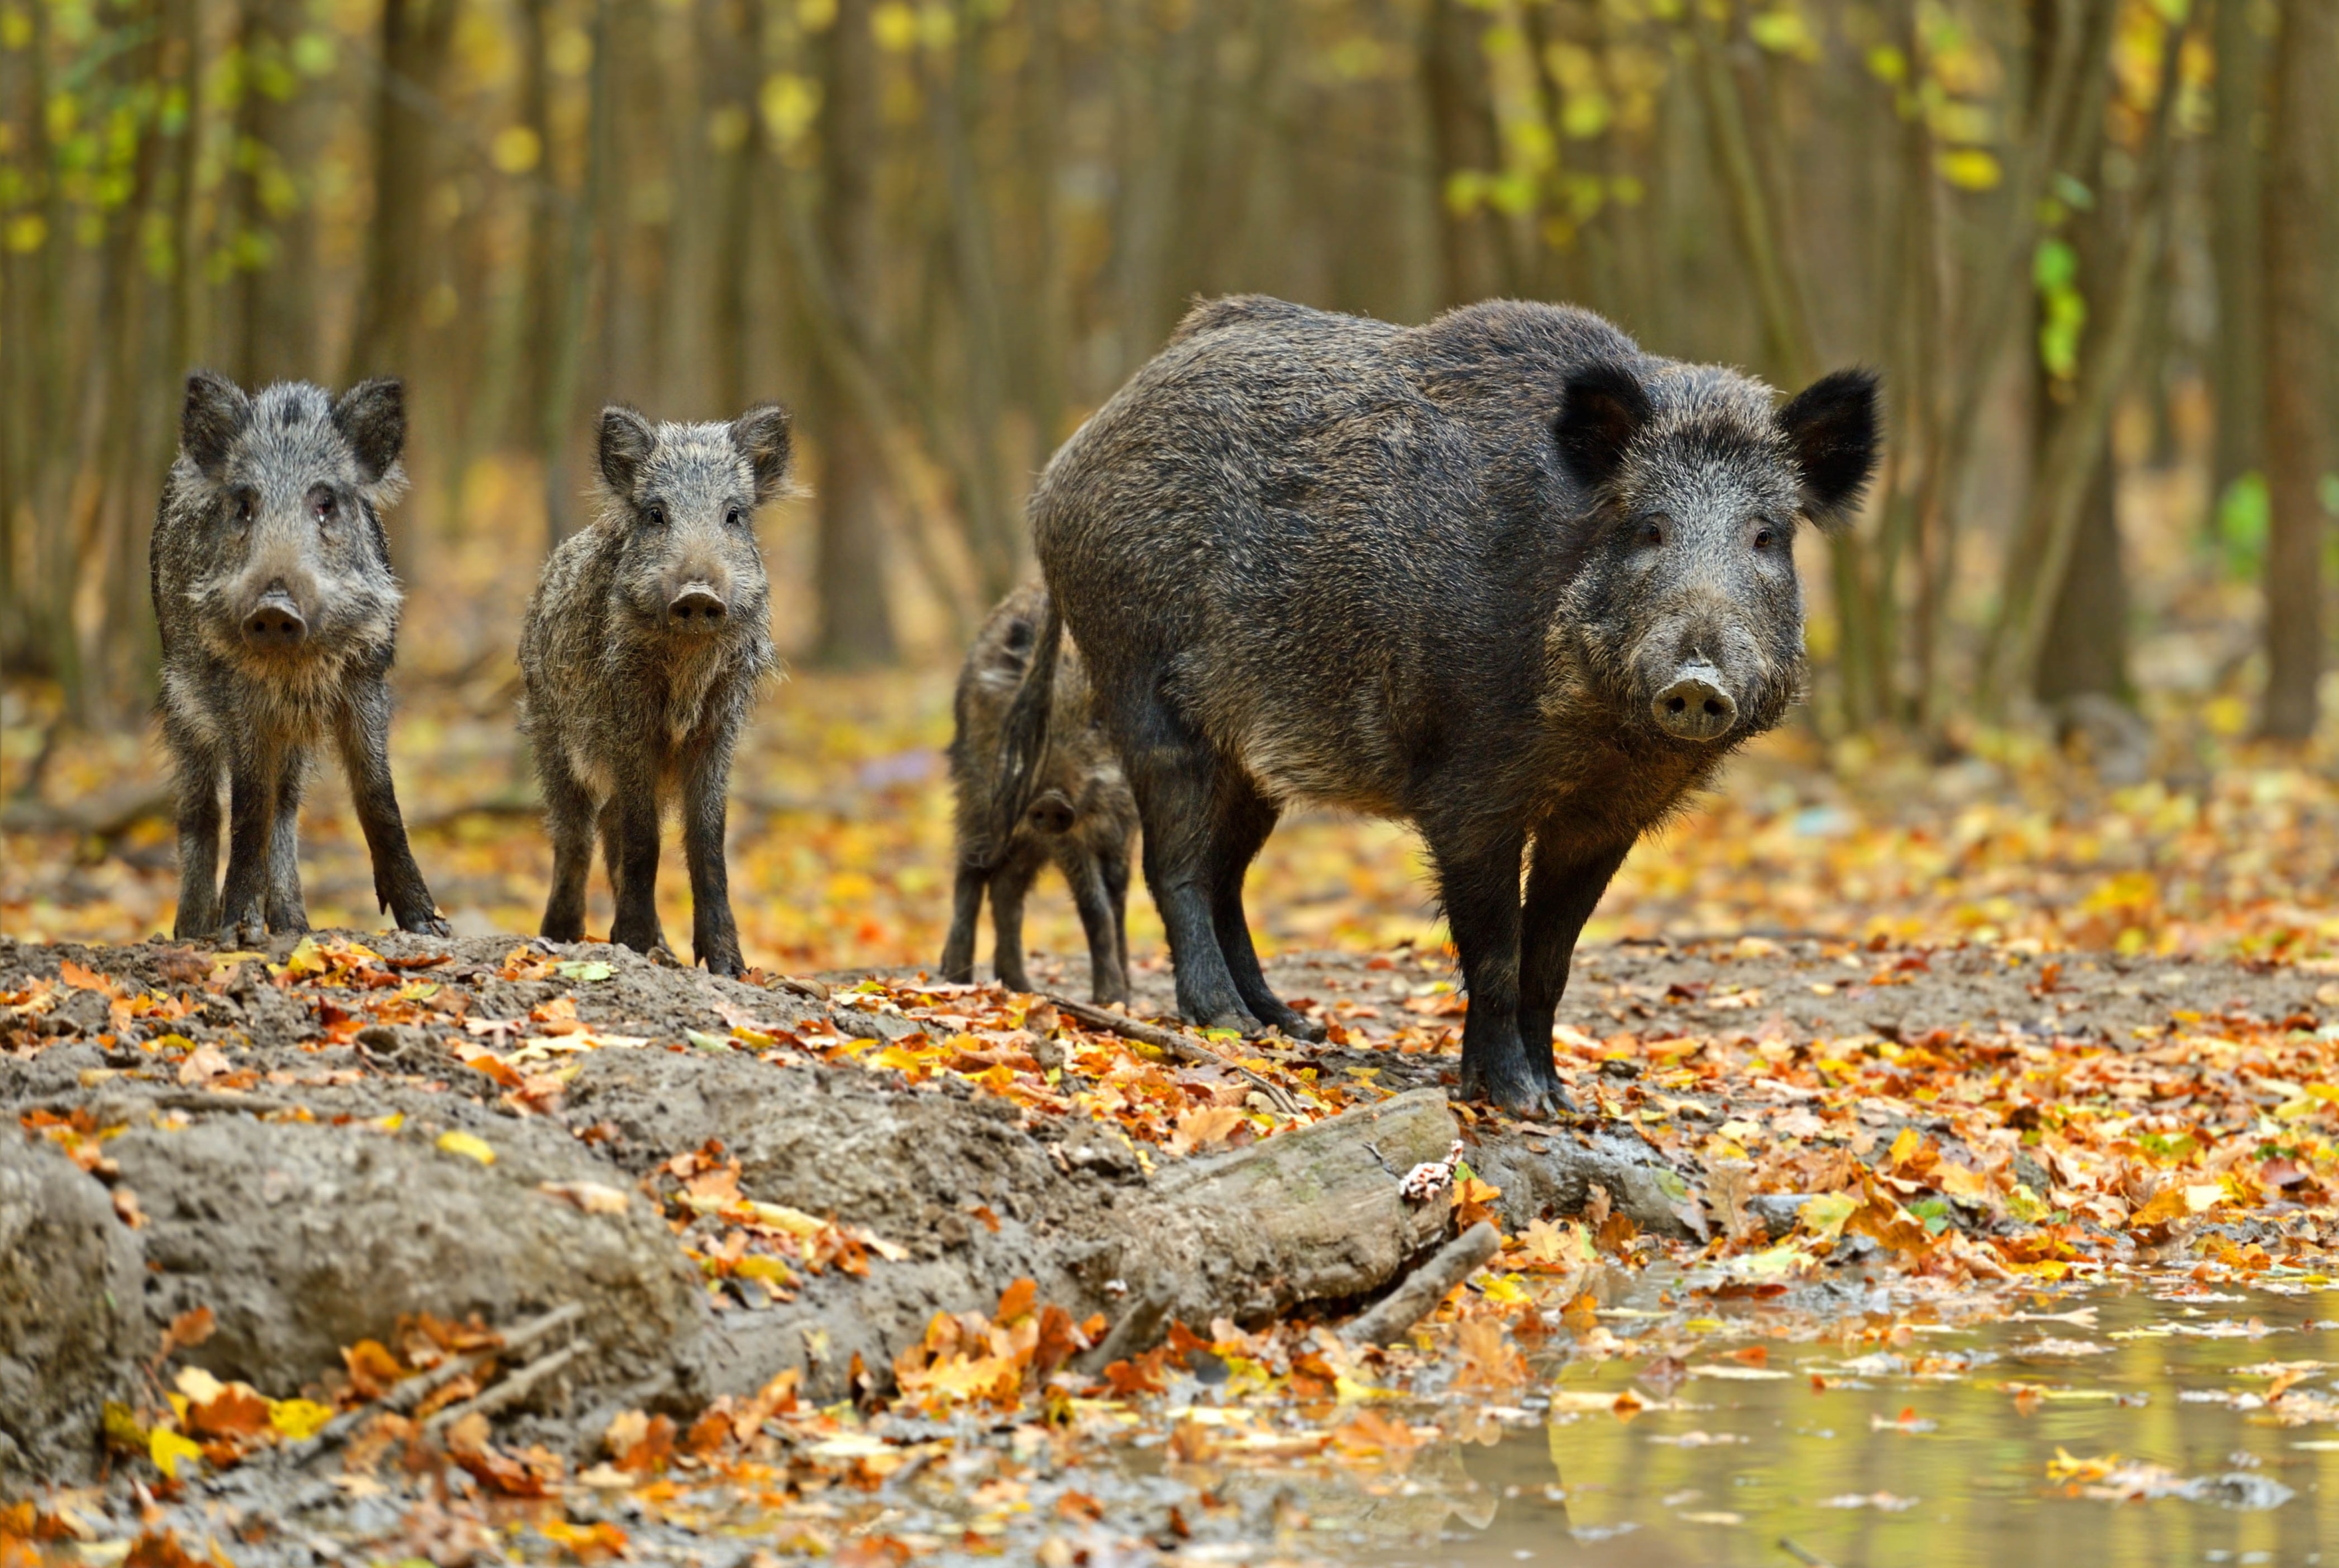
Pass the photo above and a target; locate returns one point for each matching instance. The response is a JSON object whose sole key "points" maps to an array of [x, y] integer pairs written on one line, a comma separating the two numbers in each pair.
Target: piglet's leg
{"points": [[363, 728], [966, 907], [251, 812], [198, 919], [287, 912], [1107, 981], [629, 835], [713, 930]]}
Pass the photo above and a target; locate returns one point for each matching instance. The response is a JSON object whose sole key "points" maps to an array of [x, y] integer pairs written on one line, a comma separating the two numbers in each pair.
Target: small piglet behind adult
{"points": [[1080, 814], [644, 645], [278, 616]]}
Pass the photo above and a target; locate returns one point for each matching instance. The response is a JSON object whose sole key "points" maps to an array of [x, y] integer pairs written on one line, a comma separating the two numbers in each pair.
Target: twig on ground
{"points": [[1803, 1553], [408, 1392], [1424, 1288], [1184, 1047], [507, 1391]]}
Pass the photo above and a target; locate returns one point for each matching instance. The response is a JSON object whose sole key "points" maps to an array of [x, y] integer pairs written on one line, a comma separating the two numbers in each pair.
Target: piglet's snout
{"points": [[1051, 812], [275, 623], [1693, 706], [698, 607]]}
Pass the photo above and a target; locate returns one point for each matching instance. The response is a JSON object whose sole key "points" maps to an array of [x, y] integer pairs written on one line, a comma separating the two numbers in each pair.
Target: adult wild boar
{"points": [[1081, 815], [278, 616], [649, 632], [1505, 576]]}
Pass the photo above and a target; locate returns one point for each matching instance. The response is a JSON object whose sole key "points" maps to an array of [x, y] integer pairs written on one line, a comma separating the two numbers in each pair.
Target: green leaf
{"points": [[583, 969], [708, 1041]]}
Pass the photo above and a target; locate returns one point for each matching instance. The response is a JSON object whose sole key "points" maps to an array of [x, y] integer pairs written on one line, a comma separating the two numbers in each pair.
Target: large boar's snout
{"points": [[1693, 706], [275, 624], [698, 608]]}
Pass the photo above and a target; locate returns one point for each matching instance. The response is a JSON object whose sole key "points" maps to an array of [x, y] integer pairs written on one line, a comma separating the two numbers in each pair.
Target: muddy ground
{"points": [[304, 1189]]}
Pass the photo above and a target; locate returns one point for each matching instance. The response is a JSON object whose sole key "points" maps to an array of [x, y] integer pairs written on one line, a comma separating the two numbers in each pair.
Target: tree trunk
{"points": [[2296, 190], [272, 241], [857, 624], [1462, 140], [2236, 174], [2085, 650]]}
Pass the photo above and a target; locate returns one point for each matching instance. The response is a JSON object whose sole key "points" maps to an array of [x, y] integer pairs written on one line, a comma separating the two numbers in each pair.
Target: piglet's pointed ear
{"points": [[764, 437], [1830, 427], [371, 416], [626, 442], [215, 414], [1601, 409]]}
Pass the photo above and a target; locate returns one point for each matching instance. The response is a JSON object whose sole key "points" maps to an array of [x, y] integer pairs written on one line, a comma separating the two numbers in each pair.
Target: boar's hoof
{"points": [[1297, 1026], [1695, 707], [1512, 1086], [428, 923]]}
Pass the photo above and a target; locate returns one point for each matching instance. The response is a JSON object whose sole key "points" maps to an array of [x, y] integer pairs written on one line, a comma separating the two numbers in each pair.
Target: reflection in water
{"points": [[2109, 1427]]}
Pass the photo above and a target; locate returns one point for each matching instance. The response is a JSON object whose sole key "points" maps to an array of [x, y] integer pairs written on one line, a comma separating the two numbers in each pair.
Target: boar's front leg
{"points": [[363, 730], [1108, 982], [1563, 888], [629, 837], [287, 912], [714, 932], [1478, 879], [1114, 865], [966, 909]]}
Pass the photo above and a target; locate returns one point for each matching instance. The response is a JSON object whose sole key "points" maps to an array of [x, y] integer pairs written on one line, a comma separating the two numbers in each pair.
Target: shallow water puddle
{"points": [[2138, 1433]]}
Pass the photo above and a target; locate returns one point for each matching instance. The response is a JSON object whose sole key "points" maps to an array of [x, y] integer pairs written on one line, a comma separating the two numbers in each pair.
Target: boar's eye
{"points": [[1650, 529], [733, 517], [654, 515], [1765, 535], [322, 503], [243, 505]]}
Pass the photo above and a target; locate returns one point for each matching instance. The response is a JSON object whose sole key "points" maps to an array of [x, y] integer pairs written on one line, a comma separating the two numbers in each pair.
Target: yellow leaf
{"points": [[297, 1420], [305, 959], [1969, 168], [1505, 1291], [1905, 1145], [1958, 1181], [780, 1217], [1824, 1216], [166, 1448], [467, 1146]]}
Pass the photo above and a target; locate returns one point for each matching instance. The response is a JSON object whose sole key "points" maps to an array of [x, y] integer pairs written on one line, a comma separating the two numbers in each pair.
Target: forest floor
{"points": [[1954, 1176]]}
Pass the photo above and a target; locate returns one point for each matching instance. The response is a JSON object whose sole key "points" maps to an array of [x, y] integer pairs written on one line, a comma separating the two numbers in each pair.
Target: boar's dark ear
{"points": [[1601, 409], [214, 415], [626, 442], [371, 416], [1831, 428], [764, 437]]}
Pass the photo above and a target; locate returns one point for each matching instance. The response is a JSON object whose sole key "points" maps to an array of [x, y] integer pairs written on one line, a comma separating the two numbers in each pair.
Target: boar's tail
{"points": [[1024, 736]]}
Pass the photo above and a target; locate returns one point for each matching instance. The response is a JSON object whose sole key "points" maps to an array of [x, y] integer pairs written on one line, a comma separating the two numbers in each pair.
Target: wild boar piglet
{"points": [[649, 635], [278, 612], [1081, 815]]}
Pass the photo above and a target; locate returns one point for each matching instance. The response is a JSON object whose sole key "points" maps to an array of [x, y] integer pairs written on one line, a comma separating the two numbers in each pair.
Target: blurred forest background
{"points": [[2087, 241]]}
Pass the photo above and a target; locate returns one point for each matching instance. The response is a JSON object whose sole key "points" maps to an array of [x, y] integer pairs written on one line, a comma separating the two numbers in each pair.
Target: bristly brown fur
{"points": [[1503, 575], [1081, 816], [274, 505], [644, 645]]}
